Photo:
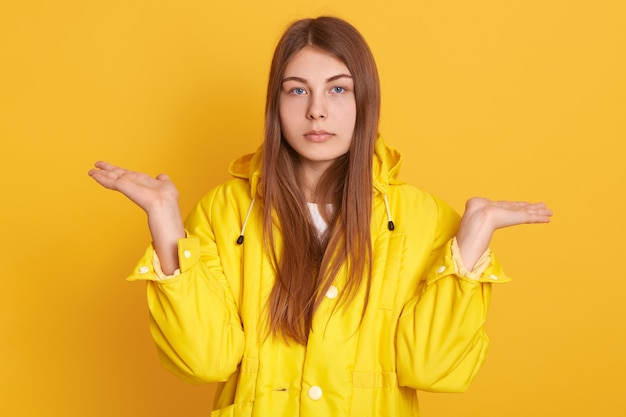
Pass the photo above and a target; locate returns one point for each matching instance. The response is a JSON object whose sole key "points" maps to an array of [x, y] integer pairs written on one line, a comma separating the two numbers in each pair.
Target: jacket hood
{"points": [[385, 167]]}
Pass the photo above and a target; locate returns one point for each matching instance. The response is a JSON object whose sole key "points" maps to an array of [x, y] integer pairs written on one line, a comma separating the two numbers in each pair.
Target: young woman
{"points": [[315, 283]]}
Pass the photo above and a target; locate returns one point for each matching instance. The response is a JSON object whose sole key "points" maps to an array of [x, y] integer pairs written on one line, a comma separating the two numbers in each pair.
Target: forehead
{"points": [[311, 62]]}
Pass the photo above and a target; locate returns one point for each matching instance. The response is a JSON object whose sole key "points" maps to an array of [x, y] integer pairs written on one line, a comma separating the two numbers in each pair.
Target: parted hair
{"points": [[306, 264]]}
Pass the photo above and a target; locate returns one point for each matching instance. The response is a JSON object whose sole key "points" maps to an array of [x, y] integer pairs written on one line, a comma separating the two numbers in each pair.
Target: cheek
{"points": [[286, 113], [282, 117], [288, 124], [349, 118]]}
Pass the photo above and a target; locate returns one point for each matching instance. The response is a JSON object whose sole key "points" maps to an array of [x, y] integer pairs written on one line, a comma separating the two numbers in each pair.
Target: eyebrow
{"points": [[328, 80]]}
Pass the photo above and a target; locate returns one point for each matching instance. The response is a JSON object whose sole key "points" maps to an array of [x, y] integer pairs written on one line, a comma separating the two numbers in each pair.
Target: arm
{"points": [[441, 342], [194, 317]]}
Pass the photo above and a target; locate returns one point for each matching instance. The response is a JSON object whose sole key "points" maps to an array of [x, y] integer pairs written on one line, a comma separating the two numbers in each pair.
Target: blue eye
{"points": [[338, 89], [298, 91]]}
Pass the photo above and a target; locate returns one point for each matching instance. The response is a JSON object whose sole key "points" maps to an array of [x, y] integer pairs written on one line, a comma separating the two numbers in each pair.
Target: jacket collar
{"points": [[385, 167]]}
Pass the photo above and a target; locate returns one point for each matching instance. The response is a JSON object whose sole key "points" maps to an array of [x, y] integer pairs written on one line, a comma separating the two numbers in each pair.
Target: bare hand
{"points": [[147, 192], [483, 217], [158, 197]]}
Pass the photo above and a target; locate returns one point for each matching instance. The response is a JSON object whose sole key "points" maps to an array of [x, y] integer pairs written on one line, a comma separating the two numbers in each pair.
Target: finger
{"points": [[525, 205], [539, 218], [163, 177], [538, 208], [527, 215], [103, 165], [109, 175], [542, 215], [511, 204], [103, 178]]}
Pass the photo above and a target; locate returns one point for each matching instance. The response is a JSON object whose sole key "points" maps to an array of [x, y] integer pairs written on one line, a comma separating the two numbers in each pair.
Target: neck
{"points": [[310, 175]]}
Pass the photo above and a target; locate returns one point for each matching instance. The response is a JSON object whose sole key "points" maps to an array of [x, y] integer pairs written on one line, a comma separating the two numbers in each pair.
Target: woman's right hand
{"points": [[147, 192], [158, 197]]}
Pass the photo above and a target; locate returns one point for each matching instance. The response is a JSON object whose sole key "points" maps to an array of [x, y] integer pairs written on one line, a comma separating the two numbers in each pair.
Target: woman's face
{"points": [[317, 108]]}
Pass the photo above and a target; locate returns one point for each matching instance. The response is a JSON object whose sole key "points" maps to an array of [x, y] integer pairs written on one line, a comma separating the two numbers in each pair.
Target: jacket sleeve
{"points": [[441, 342], [194, 318]]}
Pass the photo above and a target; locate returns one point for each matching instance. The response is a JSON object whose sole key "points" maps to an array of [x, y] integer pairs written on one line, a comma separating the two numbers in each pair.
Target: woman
{"points": [[315, 283]]}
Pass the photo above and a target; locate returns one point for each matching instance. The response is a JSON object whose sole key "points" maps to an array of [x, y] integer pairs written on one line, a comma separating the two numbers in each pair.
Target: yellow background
{"points": [[506, 99]]}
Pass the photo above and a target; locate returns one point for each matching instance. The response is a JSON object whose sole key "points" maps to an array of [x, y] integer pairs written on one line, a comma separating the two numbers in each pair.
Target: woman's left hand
{"points": [[482, 217]]}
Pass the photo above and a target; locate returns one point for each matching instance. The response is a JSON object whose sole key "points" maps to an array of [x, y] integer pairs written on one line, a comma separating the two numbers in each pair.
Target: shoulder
{"points": [[231, 192], [223, 204], [417, 209], [408, 195]]}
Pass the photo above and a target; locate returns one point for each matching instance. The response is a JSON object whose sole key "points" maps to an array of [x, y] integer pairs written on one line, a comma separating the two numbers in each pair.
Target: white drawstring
{"points": [[390, 224], [245, 221]]}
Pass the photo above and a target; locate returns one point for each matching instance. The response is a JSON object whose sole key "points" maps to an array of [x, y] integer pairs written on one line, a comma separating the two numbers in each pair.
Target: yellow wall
{"points": [[508, 99]]}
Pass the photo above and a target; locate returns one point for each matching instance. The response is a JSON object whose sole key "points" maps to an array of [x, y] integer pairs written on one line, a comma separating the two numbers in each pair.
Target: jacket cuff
{"points": [[487, 268], [481, 264], [149, 267]]}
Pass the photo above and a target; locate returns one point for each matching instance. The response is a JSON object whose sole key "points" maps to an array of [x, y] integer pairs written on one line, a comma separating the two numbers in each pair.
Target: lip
{"points": [[318, 135]]}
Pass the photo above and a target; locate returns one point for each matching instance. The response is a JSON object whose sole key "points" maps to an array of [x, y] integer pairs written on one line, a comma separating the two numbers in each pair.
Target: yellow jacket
{"points": [[422, 329]]}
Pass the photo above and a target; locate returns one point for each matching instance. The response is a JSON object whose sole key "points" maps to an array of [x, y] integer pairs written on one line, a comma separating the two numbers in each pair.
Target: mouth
{"points": [[318, 135]]}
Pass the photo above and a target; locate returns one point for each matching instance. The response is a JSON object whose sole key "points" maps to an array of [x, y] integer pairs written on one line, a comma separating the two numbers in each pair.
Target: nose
{"points": [[317, 107]]}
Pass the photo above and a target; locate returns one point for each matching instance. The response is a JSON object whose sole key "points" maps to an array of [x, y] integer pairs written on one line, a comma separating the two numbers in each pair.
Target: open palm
{"points": [[145, 191], [483, 217]]}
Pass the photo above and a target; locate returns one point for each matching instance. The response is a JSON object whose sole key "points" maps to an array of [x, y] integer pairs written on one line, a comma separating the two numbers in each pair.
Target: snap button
{"points": [[315, 393], [332, 292], [187, 254], [441, 269], [144, 270]]}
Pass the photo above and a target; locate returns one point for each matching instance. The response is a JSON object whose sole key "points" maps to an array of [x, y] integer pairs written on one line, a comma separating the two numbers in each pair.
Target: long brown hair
{"points": [[307, 265]]}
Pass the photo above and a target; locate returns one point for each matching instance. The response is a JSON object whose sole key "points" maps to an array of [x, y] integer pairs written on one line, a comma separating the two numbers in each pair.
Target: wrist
{"points": [[164, 208], [473, 237]]}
